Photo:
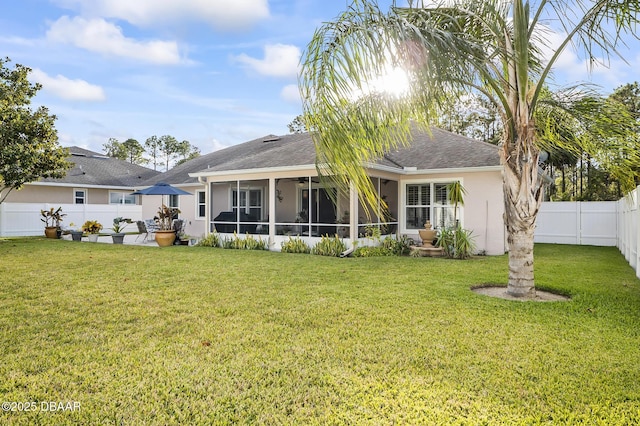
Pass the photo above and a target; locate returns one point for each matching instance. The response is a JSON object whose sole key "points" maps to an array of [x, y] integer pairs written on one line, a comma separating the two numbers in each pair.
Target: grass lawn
{"points": [[194, 335]]}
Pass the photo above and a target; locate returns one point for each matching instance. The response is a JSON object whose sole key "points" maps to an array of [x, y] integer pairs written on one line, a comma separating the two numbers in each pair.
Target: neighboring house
{"points": [[97, 187], [270, 187]]}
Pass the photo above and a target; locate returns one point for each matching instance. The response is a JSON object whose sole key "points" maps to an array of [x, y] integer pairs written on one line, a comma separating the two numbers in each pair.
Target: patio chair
{"points": [[142, 230], [146, 227]]}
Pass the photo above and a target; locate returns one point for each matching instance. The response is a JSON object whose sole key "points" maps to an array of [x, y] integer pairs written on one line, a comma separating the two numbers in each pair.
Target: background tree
{"points": [[114, 148], [169, 147], [29, 147], [488, 48], [134, 152], [153, 148], [187, 152], [629, 96], [297, 125]]}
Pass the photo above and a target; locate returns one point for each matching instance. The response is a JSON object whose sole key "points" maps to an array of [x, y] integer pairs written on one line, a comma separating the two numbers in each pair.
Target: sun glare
{"points": [[395, 83]]}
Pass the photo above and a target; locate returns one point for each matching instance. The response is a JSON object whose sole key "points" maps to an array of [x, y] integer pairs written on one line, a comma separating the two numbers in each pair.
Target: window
{"points": [[250, 202], [418, 205], [174, 201], [201, 208], [121, 198], [428, 201], [79, 196]]}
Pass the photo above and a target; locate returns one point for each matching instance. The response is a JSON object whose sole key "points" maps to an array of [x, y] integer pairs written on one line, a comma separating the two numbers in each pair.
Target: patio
{"points": [[300, 206]]}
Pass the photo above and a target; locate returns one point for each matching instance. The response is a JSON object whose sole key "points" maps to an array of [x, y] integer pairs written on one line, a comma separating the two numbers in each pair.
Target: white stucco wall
{"points": [[483, 208]]}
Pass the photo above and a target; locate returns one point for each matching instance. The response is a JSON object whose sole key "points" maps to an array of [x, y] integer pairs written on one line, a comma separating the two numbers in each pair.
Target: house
{"points": [[97, 187], [270, 187]]}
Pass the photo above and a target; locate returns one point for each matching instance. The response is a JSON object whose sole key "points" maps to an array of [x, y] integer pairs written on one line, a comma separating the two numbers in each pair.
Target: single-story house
{"points": [[270, 187], [97, 187]]}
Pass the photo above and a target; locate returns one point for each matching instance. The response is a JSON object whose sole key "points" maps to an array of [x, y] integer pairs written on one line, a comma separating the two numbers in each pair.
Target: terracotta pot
{"points": [[165, 238], [51, 231]]}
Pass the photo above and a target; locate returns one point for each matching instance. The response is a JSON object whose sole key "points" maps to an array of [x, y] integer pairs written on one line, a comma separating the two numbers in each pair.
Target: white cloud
{"points": [[280, 60], [291, 93], [65, 88], [221, 14], [100, 36], [569, 68]]}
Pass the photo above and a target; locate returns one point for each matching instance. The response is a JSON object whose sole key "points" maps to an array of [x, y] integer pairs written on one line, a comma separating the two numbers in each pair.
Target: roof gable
{"points": [[92, 168]]}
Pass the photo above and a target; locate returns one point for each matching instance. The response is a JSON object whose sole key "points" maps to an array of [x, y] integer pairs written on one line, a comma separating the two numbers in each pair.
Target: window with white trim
{"points": [[174, 201], [201, 206], [79, 196], [428, 201], [116, 197], [249, 202]]}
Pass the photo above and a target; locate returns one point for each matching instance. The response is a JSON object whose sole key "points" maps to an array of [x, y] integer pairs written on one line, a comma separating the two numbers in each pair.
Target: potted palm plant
{"points": [[119, 223], [92, 228], [166, 235], [52, 219]]}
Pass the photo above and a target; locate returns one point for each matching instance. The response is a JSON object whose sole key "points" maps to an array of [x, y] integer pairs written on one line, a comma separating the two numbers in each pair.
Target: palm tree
{"points": [[489, 48], [456, 196]]}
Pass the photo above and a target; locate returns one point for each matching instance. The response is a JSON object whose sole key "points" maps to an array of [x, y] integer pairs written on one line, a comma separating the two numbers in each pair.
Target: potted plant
{"points": [[119, 223], [76, 235], [92, 228], [52, 219], [166, 235]]}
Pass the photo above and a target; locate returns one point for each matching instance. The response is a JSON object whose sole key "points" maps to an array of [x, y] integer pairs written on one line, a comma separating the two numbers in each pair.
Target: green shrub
{"points": [[211, 240], [399, 246], [295, 245], [329, 246], [457, 243], [247, 243], [372, 252]]}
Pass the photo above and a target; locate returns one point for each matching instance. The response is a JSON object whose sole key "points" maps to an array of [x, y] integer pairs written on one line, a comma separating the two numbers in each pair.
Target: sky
{"points": [[213, 72]]}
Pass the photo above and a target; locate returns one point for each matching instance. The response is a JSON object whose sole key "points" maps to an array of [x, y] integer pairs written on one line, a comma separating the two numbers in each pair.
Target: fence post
{"points": [[2, 224], [636, 242], [579, 223]]}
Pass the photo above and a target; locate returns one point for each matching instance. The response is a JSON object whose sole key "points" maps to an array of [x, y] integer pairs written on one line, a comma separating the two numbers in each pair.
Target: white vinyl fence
{"points": [[598, 223], [592, 223], [629, 229], [23, 219]]}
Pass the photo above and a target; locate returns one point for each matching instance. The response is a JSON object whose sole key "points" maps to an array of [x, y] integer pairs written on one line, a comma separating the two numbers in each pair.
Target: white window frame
{"points": [[173, 201], [201, 204], [122, 195], [432, 202], [84, 195], [247, 208]]}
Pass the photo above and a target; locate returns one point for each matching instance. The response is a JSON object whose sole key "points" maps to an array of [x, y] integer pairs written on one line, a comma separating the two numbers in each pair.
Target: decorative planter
{"points": [[118, 238], [92, 238], [165, 238], [76, 235], [51, 231]]}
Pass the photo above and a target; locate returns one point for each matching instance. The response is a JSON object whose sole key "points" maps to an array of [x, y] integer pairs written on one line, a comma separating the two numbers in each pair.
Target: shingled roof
{"points": [[437, 149], [94, 169]]}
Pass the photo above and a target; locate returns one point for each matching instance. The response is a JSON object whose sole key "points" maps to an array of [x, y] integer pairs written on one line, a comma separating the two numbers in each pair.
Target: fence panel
{"points": [[23, 219], [581, 223]]}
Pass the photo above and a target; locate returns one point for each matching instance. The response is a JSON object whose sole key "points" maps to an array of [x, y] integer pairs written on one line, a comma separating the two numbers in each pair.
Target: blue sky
{"points": [[213, 72]]}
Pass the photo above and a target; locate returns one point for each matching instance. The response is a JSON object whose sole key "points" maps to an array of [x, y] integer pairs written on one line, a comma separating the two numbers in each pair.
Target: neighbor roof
{"points": [[92, 168], [437, 149]]}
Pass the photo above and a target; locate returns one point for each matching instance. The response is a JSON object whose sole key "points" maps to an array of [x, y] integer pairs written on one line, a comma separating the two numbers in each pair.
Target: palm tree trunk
{"points": [[522, 198]]}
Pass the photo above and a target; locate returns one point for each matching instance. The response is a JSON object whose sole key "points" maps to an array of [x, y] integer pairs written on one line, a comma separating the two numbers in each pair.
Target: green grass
{"points": [[195, 335]]}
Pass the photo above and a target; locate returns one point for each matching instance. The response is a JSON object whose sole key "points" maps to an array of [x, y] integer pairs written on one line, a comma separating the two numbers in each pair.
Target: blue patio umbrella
{"points": [[161, 188]]}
